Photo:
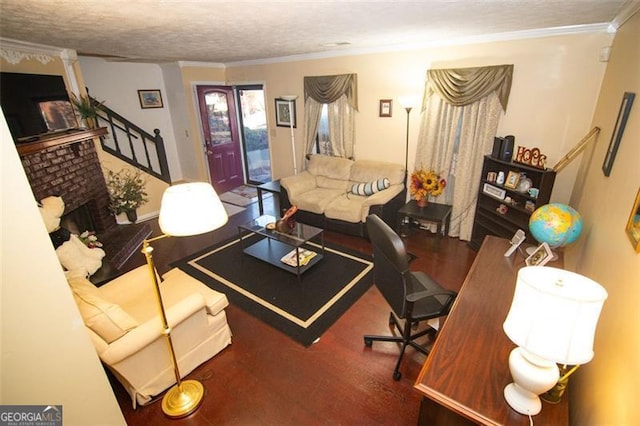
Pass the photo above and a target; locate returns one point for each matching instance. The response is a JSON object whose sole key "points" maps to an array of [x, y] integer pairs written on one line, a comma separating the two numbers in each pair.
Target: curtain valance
{"points": [[327, 89], [464, 86]]}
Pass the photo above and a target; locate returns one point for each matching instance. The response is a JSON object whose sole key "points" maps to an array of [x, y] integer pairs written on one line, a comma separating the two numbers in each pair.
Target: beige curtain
{"points": [[342, 128], [461, 113], [312, 111], [340, 93], [463, 86]]}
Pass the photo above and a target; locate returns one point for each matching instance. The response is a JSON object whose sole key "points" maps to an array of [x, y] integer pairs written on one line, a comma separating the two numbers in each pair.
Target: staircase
{"points": [[132, 144]]}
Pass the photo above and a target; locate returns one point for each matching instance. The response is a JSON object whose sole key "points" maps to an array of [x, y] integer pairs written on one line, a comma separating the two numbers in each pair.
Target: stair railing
{"points": [[134, 145]]}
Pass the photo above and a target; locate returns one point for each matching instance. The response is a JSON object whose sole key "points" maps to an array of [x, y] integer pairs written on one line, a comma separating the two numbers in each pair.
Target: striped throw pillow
{"points": [[370, 188]]}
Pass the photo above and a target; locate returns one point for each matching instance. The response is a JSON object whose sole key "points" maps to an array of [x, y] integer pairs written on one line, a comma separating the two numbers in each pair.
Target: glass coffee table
{"points": [[289, 251]]}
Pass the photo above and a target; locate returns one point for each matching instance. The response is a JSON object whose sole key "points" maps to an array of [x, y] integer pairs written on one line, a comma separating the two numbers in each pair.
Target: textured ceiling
{"points": [[233, 31]]}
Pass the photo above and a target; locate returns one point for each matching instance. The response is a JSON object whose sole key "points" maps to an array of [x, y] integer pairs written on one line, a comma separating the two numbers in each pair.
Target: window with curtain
{"points": [[330, 106], [460, 115]]}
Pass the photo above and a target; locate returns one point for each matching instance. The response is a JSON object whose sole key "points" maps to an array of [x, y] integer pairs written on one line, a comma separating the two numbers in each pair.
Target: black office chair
{"points": [[413, 296]]}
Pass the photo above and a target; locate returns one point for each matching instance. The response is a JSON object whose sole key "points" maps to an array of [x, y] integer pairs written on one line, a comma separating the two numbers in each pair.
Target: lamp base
{"points": [[180, 401], [522, 401]]}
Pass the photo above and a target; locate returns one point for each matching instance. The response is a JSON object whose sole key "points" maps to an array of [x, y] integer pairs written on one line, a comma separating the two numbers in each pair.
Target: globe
{"points": [[556, 224]]}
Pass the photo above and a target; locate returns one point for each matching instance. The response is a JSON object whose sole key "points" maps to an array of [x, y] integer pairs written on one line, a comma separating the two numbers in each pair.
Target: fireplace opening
{"points": [[79, 220]]}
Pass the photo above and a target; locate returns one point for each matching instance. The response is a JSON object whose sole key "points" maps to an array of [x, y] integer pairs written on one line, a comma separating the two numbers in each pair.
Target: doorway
{"points": [[221, 137], [234, 122]]}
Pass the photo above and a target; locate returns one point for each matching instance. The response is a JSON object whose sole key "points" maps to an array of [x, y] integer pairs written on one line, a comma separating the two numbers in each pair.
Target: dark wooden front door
{"points": [[221, 138]]}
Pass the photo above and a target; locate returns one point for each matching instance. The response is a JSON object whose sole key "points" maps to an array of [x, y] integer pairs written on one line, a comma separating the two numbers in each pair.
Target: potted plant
{"points": [[126, 192], [87, 109], [425, 183]]}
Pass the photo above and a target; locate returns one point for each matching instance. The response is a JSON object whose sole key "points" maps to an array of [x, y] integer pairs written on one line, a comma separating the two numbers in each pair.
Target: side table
{"points": [[433, 212], [271, 187]]}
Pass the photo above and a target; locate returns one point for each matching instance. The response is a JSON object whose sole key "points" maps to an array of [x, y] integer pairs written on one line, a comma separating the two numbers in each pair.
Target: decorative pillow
{"points": [[75, 256], [106, 319], [370, 188]]}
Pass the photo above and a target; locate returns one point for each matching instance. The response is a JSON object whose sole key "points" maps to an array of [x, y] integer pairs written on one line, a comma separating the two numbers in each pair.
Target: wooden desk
{"points": [[464, 375]]}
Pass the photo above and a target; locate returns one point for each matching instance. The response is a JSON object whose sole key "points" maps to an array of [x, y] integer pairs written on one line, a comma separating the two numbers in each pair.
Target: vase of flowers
{"points": [[425, 183], [126, 192]]}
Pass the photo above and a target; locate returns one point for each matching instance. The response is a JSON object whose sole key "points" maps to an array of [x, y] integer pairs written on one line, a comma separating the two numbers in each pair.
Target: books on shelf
{"points": [[304, 255]]}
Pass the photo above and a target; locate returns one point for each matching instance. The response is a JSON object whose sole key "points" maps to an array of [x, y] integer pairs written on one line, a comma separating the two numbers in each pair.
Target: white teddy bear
{"points": [[74, 255]]}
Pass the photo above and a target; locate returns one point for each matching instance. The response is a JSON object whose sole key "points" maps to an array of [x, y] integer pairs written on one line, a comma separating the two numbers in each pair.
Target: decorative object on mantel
{"points": [[87, 108], [532, 157], [425, 183], [126, 192]]}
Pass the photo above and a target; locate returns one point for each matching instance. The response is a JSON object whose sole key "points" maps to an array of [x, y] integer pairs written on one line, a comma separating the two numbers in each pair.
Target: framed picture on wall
{"points": [[385, 107], [285, 117], [618, 130], [150, 98]]}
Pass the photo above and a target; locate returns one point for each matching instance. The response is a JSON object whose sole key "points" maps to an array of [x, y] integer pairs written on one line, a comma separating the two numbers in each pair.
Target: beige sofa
{"points": [[122, 319], [338, 194]]}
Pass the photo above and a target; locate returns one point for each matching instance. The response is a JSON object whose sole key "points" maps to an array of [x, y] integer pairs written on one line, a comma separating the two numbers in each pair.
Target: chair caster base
{"points": [[368, 342], [397, 375]]}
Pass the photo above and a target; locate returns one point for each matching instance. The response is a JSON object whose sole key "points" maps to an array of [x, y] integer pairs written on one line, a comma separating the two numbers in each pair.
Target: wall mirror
{"points": [[633, 225]]}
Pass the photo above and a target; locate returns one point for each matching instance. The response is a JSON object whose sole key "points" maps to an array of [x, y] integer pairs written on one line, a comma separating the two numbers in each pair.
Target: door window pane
{"points": [[218, 114], [254, 130]]}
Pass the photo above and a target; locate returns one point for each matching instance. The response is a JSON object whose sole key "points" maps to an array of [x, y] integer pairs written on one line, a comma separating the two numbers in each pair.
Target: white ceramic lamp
{"points": [[552, 319]]}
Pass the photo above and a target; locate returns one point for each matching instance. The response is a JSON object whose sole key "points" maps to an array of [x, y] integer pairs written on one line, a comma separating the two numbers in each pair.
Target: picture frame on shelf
{"points": [[512, 180], [618, 130], [633, 224], [540, 256], [494, 191], [150, 98], [284, 116], [386, 106]]}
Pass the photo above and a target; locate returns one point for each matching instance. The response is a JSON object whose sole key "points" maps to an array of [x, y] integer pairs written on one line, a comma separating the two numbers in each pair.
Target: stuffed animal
{"points": [[76, 258]]}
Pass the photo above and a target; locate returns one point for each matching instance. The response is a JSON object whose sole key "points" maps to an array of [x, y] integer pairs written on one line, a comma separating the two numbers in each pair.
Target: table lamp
{"points": [[186, 209], [552, 319]]}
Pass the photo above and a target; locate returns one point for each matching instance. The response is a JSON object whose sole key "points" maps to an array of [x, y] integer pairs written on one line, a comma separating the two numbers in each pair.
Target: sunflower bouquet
{"points": [[425, 183]]}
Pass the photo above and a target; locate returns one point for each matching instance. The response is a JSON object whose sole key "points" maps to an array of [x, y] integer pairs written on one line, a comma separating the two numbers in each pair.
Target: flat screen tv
{"points": [[35, 104]]}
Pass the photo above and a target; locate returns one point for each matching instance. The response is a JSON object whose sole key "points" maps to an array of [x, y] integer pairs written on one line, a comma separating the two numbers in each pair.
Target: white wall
{"points": [[46, 355], [555, 86], [117, 84]]}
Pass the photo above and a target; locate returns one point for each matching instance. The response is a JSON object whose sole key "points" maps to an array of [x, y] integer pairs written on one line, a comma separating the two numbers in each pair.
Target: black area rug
{"points": [[302, 310]]}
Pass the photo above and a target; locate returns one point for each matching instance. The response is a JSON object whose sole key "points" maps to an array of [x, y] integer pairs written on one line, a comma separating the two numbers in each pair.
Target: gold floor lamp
{"points": [[186, 209]]}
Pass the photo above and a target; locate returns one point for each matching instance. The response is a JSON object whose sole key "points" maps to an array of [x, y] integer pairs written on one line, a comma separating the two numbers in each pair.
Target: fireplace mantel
{"points": [[59, 139]]}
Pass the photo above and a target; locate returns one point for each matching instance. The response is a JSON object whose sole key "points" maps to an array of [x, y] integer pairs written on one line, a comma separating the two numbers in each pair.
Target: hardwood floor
{"points": [[265, 378]]}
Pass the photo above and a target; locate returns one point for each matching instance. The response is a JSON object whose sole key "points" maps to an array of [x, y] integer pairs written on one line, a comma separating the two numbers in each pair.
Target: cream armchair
{"points": [[122, 319]]}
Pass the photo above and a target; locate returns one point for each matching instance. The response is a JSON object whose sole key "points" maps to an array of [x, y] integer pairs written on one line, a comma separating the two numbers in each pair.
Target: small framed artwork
{"points": [[150, 98], [385, 107], [633, 224], [285, 113], [512, 180], [540, 256], [618, 130]]}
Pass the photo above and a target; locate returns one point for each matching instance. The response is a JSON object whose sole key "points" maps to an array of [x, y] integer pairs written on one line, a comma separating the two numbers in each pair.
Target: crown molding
{"points": [[488, 38], [196, 64], [14, 51], [626, 11]]}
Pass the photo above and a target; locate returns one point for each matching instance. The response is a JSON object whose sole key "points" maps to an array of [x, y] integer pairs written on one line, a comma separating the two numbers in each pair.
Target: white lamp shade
{"points": [[408, 101], [191, 209], [289, 97], [554, 314]]}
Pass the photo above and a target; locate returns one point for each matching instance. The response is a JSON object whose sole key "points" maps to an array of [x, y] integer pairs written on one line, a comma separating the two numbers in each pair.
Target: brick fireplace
{"points": [[68, 167], [73, 172]]}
